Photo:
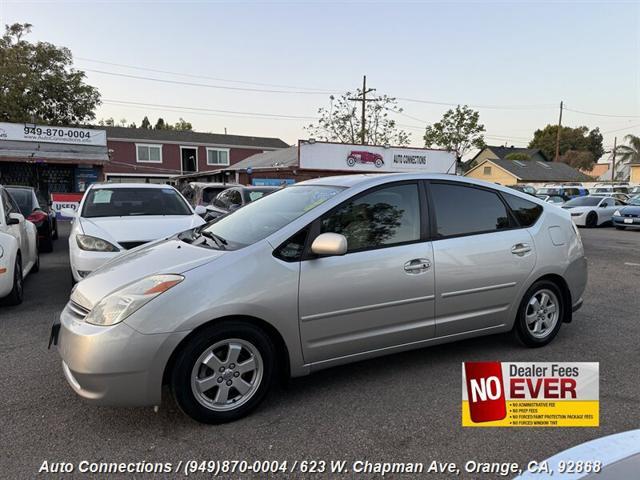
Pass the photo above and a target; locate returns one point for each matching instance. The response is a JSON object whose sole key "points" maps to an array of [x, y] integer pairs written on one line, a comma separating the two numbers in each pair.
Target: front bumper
{"points": [[114, 365], [580, 220], [620, 222], [84, 262]]}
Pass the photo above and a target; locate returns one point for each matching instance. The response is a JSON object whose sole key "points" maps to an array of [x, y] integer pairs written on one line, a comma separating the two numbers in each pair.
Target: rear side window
{"points": [[461, 210], [526, 212]]}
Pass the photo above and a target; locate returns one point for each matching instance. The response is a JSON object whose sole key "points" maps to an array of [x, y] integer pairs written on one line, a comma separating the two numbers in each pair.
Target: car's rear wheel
{"points": [[378, 163], [224, 372], [540, 314], [592, 220], [36, 265], [16, 295]]}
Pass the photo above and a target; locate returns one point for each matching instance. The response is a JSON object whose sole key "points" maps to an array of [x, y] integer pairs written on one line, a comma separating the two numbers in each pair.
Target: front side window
{"points": [[526, 212], [217, 156], [462, 210], [24, 199], [129, 202], [148, 153], [584, 202], [384, 217]]}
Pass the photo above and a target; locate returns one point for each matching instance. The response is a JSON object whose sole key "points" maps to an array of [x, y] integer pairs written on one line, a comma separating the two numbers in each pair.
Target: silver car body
{"points": [[325, 311]]}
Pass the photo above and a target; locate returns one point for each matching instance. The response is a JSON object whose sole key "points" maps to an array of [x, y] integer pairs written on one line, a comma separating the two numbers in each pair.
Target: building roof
{"points": [[42, 152], [501, 152], [286, 157], [188, 136], [537, 171]]}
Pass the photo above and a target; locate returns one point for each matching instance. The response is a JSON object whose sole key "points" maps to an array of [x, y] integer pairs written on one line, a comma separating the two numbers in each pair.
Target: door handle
{"points": [[417, 265], [520, 249]]}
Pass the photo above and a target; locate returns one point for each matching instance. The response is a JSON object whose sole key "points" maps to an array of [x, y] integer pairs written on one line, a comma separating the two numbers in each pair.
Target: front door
{"points": [[481, 258], [381, 292]]}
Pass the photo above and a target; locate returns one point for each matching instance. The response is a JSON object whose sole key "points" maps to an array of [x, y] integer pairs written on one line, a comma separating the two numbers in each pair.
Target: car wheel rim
{"points": [[542, 313], [227, 374]]}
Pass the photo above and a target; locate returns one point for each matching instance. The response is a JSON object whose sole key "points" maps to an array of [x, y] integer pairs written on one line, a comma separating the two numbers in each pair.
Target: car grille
{"points": [[631, 215], [76, 310], [130, 245]]}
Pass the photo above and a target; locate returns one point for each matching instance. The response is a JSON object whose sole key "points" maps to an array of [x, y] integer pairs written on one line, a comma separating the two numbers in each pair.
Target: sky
{"points": [[205, 61]]}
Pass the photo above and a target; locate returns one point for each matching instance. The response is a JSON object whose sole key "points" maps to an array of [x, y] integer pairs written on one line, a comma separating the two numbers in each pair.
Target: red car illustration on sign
{"points": [[361, 156]]}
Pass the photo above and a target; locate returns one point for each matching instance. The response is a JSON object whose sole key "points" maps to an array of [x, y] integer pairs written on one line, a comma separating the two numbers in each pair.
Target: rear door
{"points": [[380, 293], [481, 255]]}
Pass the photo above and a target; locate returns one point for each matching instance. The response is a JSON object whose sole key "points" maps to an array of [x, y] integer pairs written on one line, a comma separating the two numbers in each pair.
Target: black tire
{"points": [[520, 329], [185, 362], [619, 227], [46, 244], [54, 235], [16, 295], [592, 220], [36, 266]]}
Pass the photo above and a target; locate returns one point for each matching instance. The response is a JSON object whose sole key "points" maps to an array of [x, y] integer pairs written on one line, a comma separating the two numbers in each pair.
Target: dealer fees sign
{"points": [[519, 394]]}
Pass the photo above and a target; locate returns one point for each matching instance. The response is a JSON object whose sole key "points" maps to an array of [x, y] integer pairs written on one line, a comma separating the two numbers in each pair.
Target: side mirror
{"points": [[329, 244], [200, 210], [68, 212], [14, 219]]}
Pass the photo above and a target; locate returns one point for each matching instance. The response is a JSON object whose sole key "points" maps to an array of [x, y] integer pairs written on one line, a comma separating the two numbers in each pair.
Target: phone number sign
{"points": [[519, 394], [48, 134]]}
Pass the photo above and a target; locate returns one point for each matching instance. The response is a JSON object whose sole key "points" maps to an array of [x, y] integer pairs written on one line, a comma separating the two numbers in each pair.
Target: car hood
{"points": [[579, 209], [138, 228], [630, 210], [164, 256]]}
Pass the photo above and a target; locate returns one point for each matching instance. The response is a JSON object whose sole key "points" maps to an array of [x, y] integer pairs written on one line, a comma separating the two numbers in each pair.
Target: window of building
{"points": [[148, 153], [217, 156], [462, 210], [487, 170], [384, 217], [525, 211]]}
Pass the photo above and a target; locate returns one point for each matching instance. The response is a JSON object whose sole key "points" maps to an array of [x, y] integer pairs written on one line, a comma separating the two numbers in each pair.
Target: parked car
{"points": [[233, 198], [567, 192], [364, 157], [623, 197], [634, 190], [555, 199], [203, 193], [18, 249], [628, 215], [592, 211], [524, 188], [39, 213], [610, 189], [115, 217], [318, 274]]}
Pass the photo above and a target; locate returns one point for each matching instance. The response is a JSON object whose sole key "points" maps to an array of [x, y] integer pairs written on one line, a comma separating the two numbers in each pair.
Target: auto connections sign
{"points": [[546, 394], [29, 132], [374, 158]]}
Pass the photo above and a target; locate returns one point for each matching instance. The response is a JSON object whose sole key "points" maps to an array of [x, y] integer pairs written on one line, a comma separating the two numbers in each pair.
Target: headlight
{"points": [[118, 305], [617, 213], [94, 244]]}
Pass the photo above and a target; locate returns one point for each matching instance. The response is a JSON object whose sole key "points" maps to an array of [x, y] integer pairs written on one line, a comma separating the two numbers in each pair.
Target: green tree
{"points": [[458, 131], [160, 125], [145, 123], [182, 125], [342, 121], [581, 159], [629, 153], [578, 139], [517, 156], [38, 82]]}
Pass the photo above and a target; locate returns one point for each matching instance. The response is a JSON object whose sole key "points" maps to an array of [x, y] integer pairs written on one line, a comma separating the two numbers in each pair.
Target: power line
{"points": [[496, 107], [623, 128], [601, 114]]}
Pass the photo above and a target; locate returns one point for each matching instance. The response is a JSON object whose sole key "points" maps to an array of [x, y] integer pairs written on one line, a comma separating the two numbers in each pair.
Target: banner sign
{"points": [[65, 200], [505, 394], [370, 158], [272, 182], [29, 132]]}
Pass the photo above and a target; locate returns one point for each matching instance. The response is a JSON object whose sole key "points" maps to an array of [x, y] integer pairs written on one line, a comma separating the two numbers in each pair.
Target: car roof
{"points": [[213, 184], [130, 185], [20, 186]]}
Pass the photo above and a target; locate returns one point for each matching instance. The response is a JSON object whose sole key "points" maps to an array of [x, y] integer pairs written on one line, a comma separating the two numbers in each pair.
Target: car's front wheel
{"points": [[592, 220], [540, 314], [223, 372], [16, 295]]}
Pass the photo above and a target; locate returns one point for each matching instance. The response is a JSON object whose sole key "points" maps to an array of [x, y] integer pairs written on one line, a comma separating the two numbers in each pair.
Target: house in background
{"points": [[145, 155], [634, 175], [599, 170], [500, 153], [512, 172]]}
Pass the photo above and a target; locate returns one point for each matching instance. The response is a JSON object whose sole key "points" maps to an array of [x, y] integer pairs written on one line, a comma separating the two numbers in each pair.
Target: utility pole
{"points": [[557, 157], [364, 101], [613, 160]]}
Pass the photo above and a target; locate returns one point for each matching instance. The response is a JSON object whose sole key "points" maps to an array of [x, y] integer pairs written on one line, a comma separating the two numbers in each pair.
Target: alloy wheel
{"points": [[227, 374], [542, 313]]}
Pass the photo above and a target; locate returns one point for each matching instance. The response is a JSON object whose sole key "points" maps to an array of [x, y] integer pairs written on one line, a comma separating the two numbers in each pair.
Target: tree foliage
{"points": [[341, 121], [517, 156], [458, 131], [38, 82], [629, 153], [146, 124], [576, 139], [580, 159]]}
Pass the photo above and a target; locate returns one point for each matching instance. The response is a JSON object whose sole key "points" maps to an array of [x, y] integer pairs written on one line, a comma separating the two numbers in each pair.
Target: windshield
{"points": [[603, 190], [24, 199], [584, 202], [209, 193], [549, 191], [128, 202], [634, 201], [258, 220]]}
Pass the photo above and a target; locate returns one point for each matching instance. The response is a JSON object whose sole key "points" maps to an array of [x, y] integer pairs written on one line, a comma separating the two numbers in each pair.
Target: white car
{"points": [[115, 217], [18, 249], [592, 210]]}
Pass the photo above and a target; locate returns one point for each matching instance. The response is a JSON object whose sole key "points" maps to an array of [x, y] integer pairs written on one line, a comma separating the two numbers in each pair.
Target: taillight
{"points": [[37, 216]]}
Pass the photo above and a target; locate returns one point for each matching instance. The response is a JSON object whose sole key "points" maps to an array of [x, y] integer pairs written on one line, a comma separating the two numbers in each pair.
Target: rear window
{"points": [[128, 202], [526, 212]]}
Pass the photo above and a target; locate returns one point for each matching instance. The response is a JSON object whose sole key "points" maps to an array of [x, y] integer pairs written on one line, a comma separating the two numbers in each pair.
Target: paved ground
{"points": [[404, 407]]}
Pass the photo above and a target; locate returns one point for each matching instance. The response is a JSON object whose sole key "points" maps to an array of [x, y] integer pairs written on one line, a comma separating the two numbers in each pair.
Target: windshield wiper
{"points": [[221, 242]]}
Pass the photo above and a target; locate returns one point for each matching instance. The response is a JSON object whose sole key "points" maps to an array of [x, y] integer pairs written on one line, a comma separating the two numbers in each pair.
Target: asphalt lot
{"points": [[404, 407]]}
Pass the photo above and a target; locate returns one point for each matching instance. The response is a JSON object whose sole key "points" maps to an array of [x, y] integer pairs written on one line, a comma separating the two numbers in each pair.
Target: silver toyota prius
{"points": [[318, 274]]}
